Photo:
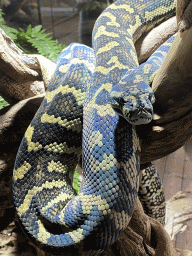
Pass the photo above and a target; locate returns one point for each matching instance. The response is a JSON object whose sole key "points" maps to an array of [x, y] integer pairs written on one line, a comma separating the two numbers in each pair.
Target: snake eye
{"points": [[151, 98]]}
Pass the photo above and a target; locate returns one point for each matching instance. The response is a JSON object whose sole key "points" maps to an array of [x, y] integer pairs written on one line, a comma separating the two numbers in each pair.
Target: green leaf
{"points": [[76, 181], [21, 30], [34, 40], [3, 103], [36, 29], [29, 31], [11, 32]]}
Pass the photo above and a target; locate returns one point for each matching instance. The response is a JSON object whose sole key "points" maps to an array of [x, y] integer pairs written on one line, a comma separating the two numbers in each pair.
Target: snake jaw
{"points": [[133, 114], [139, 116], [133, 99], [136, 107]]}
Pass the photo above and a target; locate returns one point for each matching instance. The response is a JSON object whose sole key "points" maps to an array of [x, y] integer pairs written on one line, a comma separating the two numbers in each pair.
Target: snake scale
{"points": [[47, 206]]}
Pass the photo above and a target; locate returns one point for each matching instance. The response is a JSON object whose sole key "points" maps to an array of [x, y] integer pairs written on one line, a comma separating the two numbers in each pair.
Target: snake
{"points": [[82, 114]]}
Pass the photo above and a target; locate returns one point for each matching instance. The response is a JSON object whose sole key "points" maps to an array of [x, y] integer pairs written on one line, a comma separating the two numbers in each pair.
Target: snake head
{"points": [[133, 102]]}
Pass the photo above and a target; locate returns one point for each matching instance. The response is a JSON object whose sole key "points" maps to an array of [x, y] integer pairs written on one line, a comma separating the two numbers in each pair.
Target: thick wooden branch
{"points": [[148, 43], [171, 125], [184, 12], [22, 75]]}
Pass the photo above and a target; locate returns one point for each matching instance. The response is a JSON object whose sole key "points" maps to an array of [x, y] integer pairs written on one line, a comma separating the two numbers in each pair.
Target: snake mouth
{"points": [[138, 116], [144, 117], [140, 120]]}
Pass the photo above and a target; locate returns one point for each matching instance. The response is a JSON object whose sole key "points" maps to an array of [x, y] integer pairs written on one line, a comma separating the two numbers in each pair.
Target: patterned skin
{"points": [[51, 147], [132, 97], [151, 194], [135, 105]]}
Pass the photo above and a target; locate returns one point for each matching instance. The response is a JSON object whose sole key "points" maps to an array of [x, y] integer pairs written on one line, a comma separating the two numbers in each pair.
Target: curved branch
{"points": [[22, 75]]}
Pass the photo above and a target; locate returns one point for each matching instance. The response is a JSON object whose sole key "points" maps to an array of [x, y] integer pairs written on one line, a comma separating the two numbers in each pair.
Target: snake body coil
{"points": [[51, 147]]}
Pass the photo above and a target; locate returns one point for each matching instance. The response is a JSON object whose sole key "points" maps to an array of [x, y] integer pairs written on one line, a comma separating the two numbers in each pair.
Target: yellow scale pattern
{"points": [[92, 205]]}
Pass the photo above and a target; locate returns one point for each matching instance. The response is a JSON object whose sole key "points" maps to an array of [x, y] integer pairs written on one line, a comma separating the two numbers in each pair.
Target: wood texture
{"points": [[175, 171]]}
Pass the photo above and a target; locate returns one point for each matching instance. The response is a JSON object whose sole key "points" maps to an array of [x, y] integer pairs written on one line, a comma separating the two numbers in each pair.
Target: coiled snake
{"points": [[46, 204]]}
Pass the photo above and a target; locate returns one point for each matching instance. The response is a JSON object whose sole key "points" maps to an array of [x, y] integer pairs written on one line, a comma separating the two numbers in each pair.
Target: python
{"points": [[47, 206]]}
